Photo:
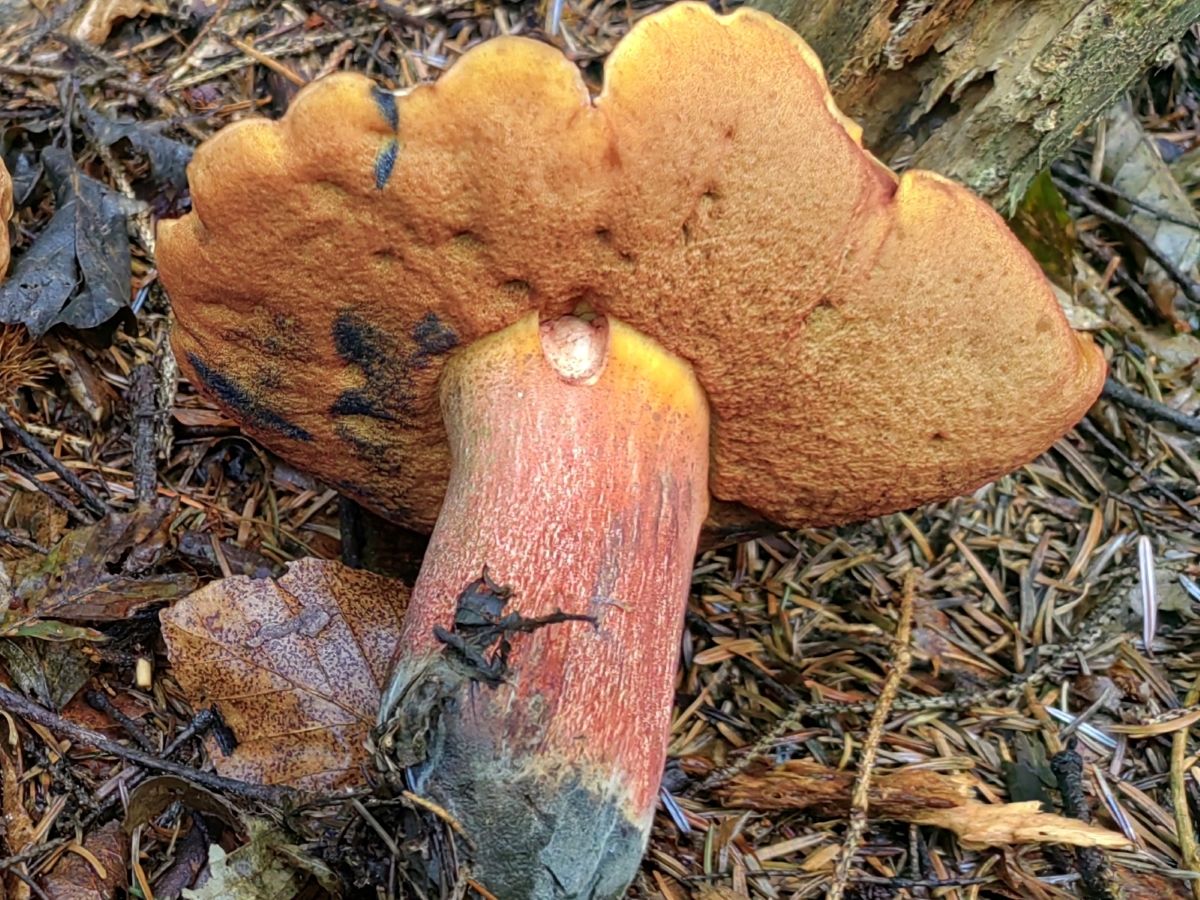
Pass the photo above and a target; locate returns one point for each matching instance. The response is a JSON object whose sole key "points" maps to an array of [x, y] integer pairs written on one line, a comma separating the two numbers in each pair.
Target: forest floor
{"points": [[1042, 635]]}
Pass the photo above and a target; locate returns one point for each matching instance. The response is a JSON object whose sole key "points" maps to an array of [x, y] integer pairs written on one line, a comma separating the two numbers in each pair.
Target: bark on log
{"points": [[987, 92]]}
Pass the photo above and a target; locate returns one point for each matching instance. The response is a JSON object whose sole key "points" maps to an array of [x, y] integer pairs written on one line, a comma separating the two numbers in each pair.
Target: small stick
{"points": [[14, 703], [270, 62], [376, 827], [142, 394], [859, 798], [1097, 878], [1156, 211], [98, 700], [1114, 390], [34, 446], [1107, 255], [1189, 511], [1186, 284], [55, 496], [16, 540], [1179, 798]]}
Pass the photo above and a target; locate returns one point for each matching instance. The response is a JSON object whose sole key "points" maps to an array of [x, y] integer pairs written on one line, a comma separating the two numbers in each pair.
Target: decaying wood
{"points": [[801, 784], [921, 796], [985, 91]]}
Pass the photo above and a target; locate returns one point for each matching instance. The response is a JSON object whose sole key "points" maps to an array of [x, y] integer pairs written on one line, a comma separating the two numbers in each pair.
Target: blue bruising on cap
{"points": [[386, 101], [385, 161], [244, 402]]}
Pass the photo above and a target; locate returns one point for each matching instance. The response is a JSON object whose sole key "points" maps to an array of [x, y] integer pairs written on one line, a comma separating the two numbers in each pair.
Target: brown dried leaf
{"points": [[989, 824], [95, 871], [201, 417], [1135, 166], [18, 826], [98, 18], [296, 666], [101, 572]]}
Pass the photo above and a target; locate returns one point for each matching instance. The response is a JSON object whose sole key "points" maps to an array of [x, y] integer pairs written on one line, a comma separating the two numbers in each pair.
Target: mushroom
{"points": [[6, 212], [564, 327]]}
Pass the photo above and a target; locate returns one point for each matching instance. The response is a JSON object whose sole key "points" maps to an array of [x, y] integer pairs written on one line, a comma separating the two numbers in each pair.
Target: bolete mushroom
{"points": [[559, 325]]}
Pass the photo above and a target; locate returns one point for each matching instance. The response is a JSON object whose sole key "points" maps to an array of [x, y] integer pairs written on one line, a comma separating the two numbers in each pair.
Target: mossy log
{"points": [[984, 91]]}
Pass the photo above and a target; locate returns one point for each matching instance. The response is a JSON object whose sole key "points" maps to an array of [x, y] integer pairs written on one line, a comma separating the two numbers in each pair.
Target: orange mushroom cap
{"points": [[867, 342]]}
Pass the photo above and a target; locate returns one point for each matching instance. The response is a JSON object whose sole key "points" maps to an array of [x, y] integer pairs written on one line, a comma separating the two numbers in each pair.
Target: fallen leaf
{"points": [[930, 627], [44, 520], [19, 830], [1027, 775], [88, 388], [197, 547], [295, 665], [919, 796], [1139, 885], [94, 871], [152, 797], [201, 417], [168, 157], [77, 271], [257, 871], [1044, 225], [100, 572], [52, 673], [1135, 167], [97, 19]]}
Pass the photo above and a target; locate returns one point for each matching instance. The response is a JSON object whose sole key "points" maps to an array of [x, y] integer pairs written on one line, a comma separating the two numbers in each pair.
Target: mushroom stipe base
{"points": [[579, 480]]}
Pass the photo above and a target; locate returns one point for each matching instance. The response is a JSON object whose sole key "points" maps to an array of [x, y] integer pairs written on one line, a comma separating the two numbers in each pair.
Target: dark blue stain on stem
{"points": [[244, 404]]}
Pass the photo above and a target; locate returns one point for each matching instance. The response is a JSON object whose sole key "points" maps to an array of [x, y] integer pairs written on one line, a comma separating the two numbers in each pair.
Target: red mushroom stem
{"points": [[580, 480]]}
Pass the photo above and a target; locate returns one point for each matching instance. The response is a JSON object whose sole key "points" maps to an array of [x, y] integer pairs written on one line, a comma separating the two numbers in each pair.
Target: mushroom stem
{"points": [[580, 480]]}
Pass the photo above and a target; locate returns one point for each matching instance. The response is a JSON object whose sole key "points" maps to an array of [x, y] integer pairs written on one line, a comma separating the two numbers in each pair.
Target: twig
{"points": [[34, 446], [1107, 254], [1114, 390], [142, 394], [33, 886], [1156, 211], [209, 72], [1097, 878], [376, 827], [1186, 284], [859, 798], [98, 700], [270, 62], [1179, 799], [16, 540], [201, 34], [55, 496], [1126, 460], [14, 703]]}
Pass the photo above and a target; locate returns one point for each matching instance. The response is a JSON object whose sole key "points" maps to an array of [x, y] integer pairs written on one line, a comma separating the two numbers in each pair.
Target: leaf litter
{"points": [[77, 270], [1024, 638]]}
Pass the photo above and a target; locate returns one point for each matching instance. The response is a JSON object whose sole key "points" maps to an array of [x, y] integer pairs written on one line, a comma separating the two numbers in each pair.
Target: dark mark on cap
{"points": [[244, 403]]}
